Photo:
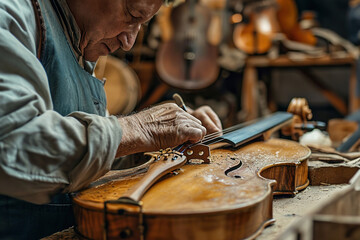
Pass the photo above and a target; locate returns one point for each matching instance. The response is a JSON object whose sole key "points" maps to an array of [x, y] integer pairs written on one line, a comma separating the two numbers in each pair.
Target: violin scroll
{"points": [[302, 114], [300, 107]]}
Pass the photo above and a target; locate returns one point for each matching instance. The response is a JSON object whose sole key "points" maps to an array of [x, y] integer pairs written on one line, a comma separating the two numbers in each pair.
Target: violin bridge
{"points": [[198, 152]]}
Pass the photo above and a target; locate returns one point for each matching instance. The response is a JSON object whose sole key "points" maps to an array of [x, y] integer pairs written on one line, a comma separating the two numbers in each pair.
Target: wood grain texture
{"points": [[338, 217], [226, 199], [164, 165]]}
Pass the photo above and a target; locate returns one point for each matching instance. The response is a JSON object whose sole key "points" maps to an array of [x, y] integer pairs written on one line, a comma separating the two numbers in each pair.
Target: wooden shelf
{"points": [[250, 81]]}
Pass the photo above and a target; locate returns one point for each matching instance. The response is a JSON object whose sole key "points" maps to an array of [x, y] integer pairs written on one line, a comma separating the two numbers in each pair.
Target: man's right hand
{"points": [[159, 127]]}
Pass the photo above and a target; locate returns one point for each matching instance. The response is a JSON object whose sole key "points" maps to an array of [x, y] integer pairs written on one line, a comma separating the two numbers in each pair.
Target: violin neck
{"points": [[259, 128]]}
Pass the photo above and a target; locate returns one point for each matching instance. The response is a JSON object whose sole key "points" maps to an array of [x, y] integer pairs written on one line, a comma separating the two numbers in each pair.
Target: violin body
{"points": [[287, 16], [255, 34], [229, 198], [186, 60], [263, 20]]}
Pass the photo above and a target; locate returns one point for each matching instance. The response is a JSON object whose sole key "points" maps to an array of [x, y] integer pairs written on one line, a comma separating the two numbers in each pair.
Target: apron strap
{"points": [[40, 25]]}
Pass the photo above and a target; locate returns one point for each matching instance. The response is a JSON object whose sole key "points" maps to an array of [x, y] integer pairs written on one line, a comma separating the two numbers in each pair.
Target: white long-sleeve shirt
{"points": [[41, 152]]}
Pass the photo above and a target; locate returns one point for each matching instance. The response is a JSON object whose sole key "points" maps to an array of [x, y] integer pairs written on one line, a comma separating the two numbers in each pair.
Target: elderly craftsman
{"points": [[54, 135]]}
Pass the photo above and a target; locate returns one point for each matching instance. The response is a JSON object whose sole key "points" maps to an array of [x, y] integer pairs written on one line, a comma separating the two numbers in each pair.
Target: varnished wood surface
{"points": [[155, 171], [202, 201], [286, 212]]}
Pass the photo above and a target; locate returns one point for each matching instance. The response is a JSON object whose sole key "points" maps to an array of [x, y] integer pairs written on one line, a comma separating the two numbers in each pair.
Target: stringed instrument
{"points": [[217, 26], [229, 197], [263, 19], [186, 59], [255, 33], [287, 16]]}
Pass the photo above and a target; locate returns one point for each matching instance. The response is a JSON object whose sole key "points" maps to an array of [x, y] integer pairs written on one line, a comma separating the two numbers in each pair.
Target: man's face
{"points": [[107, 25]]}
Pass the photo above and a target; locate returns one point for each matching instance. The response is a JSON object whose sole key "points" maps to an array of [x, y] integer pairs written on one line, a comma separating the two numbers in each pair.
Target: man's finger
{"points": [[214, 118]]}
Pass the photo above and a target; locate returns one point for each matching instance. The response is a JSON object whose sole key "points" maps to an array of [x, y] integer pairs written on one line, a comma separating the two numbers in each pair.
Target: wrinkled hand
{"points": [[159, 127], [208, 118]]}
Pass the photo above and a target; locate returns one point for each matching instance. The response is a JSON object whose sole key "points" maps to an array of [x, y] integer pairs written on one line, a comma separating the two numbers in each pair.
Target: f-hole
{"points": [[228, 171]]}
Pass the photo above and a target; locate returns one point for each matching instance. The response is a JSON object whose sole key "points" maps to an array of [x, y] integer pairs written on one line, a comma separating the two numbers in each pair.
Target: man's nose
{"points": [[132, 34]]}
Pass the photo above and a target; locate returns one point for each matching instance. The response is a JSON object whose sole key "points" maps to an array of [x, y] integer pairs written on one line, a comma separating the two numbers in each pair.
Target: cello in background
{"points": [[186, 59]]}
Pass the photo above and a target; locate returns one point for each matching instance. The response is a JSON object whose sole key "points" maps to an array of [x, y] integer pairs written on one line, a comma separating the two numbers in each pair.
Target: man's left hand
{"points": [[208, 118]]}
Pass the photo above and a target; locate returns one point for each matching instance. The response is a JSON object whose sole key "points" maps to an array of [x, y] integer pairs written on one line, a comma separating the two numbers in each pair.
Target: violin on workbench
{"points": [[219, 188]]}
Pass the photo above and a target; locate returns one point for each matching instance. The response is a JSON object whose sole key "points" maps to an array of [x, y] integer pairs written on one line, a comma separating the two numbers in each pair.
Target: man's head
{"points": [[107, 25]]}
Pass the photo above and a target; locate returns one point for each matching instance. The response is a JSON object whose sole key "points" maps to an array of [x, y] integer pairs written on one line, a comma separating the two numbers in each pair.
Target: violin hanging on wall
{"points": [[186, 59]]}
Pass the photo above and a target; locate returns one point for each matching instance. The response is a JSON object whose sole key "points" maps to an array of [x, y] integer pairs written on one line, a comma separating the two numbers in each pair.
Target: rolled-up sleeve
{"points": [[41, 152]]}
